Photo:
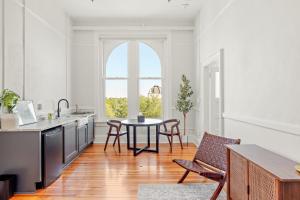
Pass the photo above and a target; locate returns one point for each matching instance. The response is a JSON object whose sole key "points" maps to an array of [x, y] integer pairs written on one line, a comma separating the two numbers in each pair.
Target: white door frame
{"points": [[217, 57]]}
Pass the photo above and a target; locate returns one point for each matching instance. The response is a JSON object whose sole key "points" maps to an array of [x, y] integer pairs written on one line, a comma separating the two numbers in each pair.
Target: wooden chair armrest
{"points": [[164, 126], [115, 121], [170, 121], [113, 126], [175, 126]]}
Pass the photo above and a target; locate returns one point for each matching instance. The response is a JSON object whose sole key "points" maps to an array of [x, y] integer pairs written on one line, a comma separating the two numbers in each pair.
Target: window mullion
{"points": [[133, 103], [150, 78], [115, 78]]}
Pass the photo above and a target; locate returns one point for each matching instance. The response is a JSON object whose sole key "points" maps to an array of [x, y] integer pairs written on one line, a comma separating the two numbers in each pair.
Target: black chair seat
{"points": [[116, 133]]}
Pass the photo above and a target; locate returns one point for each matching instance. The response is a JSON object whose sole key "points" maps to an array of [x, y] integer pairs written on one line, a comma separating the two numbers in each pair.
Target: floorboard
{"points": [[109, 175]]}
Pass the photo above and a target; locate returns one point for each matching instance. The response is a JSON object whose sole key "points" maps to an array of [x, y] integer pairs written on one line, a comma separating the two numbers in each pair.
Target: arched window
{"points": [[116, 75], [117, 62], [132, 79], [149, 81]]}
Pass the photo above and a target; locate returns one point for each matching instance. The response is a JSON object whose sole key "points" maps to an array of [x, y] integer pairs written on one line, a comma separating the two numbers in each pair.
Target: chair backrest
{"points": [[169, 123], [212, 150], [114, 123]]}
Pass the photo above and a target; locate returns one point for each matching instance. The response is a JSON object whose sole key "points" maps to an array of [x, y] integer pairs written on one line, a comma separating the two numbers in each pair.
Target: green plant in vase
{"points": [[8, 101], [184, 100]]}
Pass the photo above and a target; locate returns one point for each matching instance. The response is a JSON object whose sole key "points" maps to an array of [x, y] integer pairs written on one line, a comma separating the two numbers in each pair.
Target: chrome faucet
{"points": [[58, 106]]}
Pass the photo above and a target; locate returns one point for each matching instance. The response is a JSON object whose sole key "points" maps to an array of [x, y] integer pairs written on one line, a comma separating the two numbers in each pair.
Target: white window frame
{"points": [[105, 78], [153, 78], [165, 71]]}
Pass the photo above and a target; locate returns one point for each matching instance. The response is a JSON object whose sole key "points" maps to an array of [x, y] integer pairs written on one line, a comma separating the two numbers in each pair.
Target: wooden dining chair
{"points": [[114, 130], [172, 131], [210, 160]]}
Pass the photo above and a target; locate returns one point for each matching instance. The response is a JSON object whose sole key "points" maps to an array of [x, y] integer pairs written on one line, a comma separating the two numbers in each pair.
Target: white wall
{"points": [[84, 63], [86, 69], [261, 45], [36, 48], [13, 45]]}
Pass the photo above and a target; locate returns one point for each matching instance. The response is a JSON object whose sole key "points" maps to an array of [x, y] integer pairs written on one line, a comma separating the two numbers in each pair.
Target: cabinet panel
{"points": [[270, 176], [70, 142], [82, 137], [262, 184], [91, 134], [290, 191], [238, 176]]}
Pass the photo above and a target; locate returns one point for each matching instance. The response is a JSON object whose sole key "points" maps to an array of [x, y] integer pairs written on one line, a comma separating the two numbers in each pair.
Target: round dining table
{"points": [[147, 123]]}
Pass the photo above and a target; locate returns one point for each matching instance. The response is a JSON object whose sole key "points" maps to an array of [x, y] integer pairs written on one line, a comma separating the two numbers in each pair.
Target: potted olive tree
{"points": [[8, 101], [184, 101]]}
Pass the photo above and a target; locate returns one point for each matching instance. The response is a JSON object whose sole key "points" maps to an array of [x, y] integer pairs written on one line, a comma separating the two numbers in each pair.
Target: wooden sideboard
{"points": [[255, 173]]}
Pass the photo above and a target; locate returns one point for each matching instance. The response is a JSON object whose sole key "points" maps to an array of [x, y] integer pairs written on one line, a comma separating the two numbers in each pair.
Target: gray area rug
{"points": [[178, 192]]}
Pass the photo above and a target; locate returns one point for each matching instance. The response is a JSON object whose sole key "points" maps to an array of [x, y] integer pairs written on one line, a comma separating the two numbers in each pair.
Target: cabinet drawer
{"points": [[262, 184], [238, 177]]}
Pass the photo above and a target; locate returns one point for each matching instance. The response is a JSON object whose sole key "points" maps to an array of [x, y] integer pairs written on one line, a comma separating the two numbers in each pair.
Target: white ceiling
{"points": [[136, 10]]}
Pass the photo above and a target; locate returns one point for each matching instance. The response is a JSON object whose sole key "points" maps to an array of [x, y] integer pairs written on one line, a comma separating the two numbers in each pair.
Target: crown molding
{"points": [[133, 28]]}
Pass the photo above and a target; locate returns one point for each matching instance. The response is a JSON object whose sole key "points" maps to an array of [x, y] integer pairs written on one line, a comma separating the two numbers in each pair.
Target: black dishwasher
{"points": [[52, 155]]}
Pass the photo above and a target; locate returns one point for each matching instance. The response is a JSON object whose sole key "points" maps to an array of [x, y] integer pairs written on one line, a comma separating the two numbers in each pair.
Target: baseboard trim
{"points": [[100, 139]]}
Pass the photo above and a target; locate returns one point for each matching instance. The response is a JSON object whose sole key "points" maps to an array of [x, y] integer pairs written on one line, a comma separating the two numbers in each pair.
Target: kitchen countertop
{"points": [[48, 124]]}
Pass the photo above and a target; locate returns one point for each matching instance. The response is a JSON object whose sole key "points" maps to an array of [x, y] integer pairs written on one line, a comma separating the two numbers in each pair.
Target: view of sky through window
{"points": [[117, 67], [117, 63], [149, 62]]}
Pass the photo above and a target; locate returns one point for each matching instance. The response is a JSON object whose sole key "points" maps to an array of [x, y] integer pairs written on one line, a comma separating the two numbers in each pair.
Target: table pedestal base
{"points": [[137, 150]]}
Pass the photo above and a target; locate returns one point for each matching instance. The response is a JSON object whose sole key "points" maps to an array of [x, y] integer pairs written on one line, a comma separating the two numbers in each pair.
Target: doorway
{"points": [[213, 94]]}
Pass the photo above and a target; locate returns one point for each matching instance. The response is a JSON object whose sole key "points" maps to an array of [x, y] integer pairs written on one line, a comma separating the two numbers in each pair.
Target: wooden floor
{"points": [[99, 175]]}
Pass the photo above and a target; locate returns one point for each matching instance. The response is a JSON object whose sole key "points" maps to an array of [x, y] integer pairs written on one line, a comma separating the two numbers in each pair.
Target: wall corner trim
{"points": [[287, 128], [216, 18]]}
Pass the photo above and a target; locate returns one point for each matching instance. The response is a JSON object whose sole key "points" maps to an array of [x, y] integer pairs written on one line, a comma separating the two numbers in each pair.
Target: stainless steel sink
{"points": [[82, 121], [64, 118], [81, 117], [81, 113]]}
